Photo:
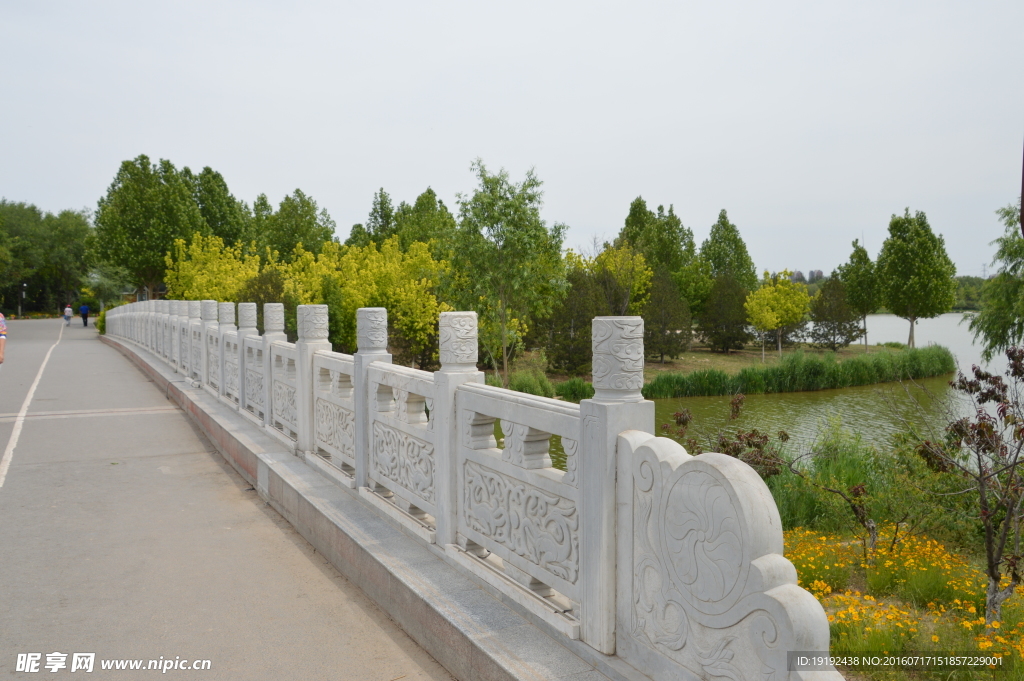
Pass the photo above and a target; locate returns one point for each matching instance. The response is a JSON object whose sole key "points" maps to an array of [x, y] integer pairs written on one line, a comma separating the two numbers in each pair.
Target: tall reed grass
{"points": [[801, 371]]}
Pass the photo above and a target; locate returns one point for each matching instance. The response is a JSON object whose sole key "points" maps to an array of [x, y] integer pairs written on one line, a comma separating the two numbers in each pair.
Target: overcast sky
{"points": [[811, 123]]}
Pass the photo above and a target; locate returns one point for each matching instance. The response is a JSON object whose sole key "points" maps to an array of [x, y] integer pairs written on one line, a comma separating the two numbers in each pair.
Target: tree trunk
{"points": [[778, 336], [762, 348], [865, 320], [994, 598], [910, 342]]}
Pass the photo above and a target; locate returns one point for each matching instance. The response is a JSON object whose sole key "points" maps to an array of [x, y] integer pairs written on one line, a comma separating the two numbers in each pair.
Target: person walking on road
{"points": [[3, 336], [67, 315], [84, 310]]}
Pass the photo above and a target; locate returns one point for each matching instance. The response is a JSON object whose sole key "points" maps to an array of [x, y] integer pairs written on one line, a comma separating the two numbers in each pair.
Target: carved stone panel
{"points": [[231, 374], [312, 322], [195, 308], [209, 310], [273, 317], [536, 525], [247, 315], [458, 340], [372, 329], [335, 426], [404, 460], [285, 409], [254, 388], [705, 586], [226, 313], [618, 362]]}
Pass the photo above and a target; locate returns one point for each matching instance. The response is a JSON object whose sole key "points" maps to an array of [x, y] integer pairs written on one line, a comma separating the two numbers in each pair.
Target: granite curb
{"points": [[465, 627]]}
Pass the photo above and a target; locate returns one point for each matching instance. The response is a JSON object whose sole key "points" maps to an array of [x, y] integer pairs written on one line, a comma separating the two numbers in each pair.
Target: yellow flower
{"points": [[935, 638]]}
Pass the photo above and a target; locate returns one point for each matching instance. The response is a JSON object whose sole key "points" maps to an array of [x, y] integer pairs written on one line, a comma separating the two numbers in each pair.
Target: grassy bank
{"points": [[795, 372]]}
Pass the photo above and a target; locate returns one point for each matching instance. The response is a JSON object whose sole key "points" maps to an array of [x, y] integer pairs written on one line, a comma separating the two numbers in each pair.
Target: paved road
{"points": [[123, 533]]}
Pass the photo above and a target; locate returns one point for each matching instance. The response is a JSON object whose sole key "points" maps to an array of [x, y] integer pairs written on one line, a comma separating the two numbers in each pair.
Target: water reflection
{"points": [[877, 412]]}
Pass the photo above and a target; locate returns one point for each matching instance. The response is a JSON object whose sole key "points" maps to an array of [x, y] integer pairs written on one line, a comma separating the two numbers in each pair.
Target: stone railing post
{"points": [[175, 330], [372, 346], [195, 309], [161, 329], [618, 405], [167, 331], [246, 327], [312, 323], [209, 315], [273, 331], [458, 345], [150, 325], [225, 324]]}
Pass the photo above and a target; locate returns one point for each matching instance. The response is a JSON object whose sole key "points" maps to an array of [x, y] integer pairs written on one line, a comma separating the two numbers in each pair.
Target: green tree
{"points": [[660, 237], [862, 286], [379, 227], [566, 331], [298, 220], [147, 207], [695, 281], [508, 261], [667, 323], [724, 323], [427, 220], [835, 322], [915, 275], [968, 293], [726, 253], [65, 262], [779, 303], [225, 216], [624, 277], [1000, 323]]}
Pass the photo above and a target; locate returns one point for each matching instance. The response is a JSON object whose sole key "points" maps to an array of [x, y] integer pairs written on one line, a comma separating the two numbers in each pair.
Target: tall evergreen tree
{"points": [[915, 274], [724, 323], [726, 253], [225, 216], [667, 323]]}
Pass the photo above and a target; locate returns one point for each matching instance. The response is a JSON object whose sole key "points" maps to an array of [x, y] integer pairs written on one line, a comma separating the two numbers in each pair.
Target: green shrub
{"points": [[575, 390]]}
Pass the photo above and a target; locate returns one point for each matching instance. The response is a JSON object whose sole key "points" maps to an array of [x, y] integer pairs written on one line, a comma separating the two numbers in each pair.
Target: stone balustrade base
{"points": [[465, 624]]}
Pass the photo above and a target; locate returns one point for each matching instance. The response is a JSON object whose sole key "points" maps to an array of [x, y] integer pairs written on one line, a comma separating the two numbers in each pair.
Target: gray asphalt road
{"points": [[124, 534]]}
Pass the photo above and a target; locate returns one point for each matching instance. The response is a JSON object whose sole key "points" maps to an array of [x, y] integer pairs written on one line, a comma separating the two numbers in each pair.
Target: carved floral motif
{"points": [[285, 410], [254, 388], [536, 525], [231, 375], [404, 460], [335, 427]]}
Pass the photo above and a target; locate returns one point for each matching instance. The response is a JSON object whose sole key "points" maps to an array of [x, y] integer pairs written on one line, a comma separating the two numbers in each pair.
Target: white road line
{"points": [[46, 416], [5, 462]]}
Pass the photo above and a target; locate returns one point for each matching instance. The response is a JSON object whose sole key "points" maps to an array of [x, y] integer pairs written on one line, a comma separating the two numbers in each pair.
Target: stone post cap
{"points": [[179, 307], [457, 332], [273, 317], [226, 313], [312, 322], [247, 315], [209, 310], [194, 309], [618, 360], [372, 329], [161, 307]]}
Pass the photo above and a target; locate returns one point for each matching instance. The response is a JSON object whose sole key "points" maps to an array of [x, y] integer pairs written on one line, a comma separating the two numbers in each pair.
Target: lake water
{"points": [[877, 412]]}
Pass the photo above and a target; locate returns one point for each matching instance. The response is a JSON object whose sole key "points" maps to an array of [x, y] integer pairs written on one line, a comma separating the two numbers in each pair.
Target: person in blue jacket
{"points": [[84, 311]]}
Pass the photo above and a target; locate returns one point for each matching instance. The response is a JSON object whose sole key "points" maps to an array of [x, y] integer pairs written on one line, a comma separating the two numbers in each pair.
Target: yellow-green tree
{"points": [[777, 304], [204, 268], [625, 277]]}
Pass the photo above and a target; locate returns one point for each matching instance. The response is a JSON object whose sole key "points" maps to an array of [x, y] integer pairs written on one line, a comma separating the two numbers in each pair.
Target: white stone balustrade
{"points": [[669, 561]]}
